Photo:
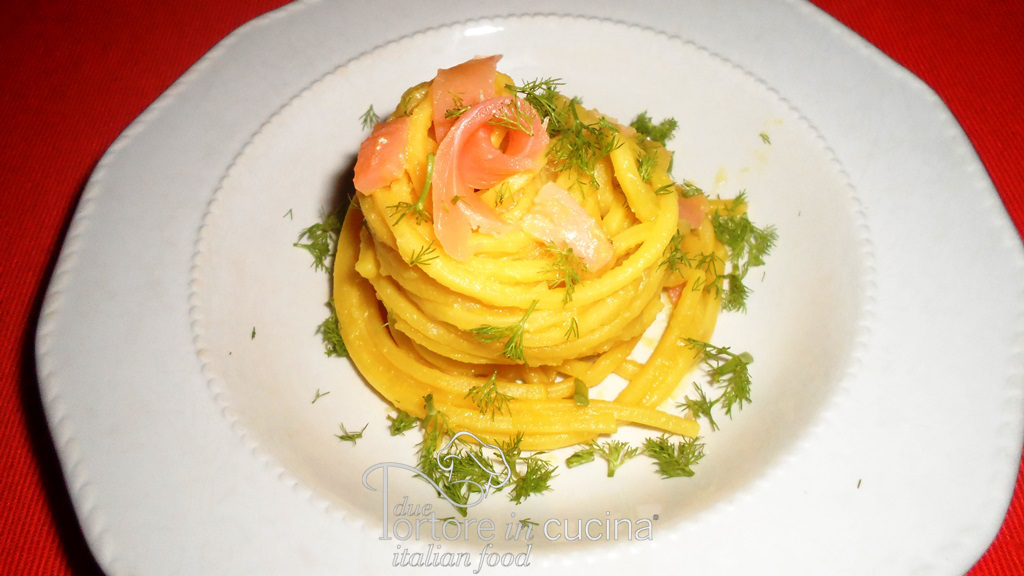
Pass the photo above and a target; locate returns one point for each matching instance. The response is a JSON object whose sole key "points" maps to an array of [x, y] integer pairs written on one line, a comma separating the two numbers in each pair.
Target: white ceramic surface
{"points": [[804, 315], [878, 466]]}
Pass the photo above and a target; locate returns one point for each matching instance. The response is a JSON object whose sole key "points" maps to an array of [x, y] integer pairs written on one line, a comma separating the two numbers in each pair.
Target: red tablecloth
{"points": [[74, 74]]}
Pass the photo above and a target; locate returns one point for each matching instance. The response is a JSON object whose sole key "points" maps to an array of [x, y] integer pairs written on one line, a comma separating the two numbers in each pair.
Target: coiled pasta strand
{"points": [[420, 322]]}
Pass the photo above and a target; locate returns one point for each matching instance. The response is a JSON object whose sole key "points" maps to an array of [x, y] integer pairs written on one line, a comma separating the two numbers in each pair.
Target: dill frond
{"points": [[489, 399], [512, 335]]}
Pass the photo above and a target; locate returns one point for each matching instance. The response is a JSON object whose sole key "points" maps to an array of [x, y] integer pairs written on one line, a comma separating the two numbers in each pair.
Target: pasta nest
{"points": [[504, 339]]}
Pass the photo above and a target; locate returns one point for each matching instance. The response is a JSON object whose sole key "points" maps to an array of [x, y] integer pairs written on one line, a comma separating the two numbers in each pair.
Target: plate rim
{"points": [[60, 419]]}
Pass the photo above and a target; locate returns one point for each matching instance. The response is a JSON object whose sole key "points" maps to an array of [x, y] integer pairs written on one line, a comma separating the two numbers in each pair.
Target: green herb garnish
{"points": [[457, 109], [580, 146], [674, 257], [747, 246], [331, 333], [488, 398], [501, 192], [734, 297], [402, 422], [424, 256], [512, 335], [729, 374], [661, 132], [575, 145], [688, 189], [543, 95], [581, 392], [711, 264], [674, 460], [573, 331], [530, 474], [614, 452], [514, 118], [347, 436], [321, 240], [700, 407], [369, 119], [565, 270], [666, 189], [646, 163], [580, 457], [527, 475], [418, 208], [535, 478]]}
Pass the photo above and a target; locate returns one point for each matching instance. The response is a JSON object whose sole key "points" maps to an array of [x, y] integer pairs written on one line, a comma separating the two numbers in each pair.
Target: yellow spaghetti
{"points": [[505, 252]]}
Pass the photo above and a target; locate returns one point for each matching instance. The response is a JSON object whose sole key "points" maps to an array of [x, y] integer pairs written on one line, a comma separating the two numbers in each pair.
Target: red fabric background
{"points": [[74, 74]]}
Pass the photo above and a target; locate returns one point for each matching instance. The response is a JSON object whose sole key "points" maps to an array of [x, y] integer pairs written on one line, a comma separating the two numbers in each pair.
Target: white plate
{"points": [[248, 276], [851, 450]]}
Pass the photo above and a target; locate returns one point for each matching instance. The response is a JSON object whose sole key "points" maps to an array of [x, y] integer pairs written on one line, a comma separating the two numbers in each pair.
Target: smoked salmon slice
{"points": [[382, 156], [692, 210], [674, 292], [468, 160], [464, 85], [484, 165], [558, 218]]}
